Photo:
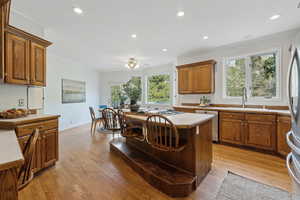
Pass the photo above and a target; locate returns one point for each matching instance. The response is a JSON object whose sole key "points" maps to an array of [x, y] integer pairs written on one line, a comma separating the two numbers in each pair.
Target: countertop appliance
{"points": [[293, 137], [215, 123]]}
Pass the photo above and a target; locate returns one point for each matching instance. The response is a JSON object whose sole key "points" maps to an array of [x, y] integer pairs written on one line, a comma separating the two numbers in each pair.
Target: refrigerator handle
{"points": [[288, 164], [295, 57], [291, 144]]}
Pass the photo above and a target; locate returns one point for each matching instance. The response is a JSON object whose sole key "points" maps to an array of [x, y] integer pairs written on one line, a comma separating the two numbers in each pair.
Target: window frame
{"points": [[146, 88], [248, 78]]}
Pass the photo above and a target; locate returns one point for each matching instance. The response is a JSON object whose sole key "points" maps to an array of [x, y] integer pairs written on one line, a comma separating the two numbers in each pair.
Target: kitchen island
{"points": [[175, 173]]}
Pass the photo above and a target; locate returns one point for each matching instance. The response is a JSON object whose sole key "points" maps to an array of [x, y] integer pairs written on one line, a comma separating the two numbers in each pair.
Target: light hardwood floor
{"points": [[88, 171]]}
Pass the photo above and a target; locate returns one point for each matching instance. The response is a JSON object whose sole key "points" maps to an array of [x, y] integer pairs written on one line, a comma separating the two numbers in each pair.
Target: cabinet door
{"points": [[17, 60], [202, 79], [38, 65], [50, 147], [261, 134], [231, 131], [184, 81], [283, 127]]}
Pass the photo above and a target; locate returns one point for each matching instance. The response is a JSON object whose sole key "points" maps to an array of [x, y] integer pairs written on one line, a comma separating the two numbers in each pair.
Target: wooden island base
{"points": [[176, 174], [171, 181]]}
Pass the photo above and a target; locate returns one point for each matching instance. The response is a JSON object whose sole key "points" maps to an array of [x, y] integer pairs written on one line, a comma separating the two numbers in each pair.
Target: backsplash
{"points": [[10, 96]]}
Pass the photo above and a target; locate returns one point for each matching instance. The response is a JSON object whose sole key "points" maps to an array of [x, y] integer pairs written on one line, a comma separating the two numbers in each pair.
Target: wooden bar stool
{"points": [[25, 174], [163, 135]]}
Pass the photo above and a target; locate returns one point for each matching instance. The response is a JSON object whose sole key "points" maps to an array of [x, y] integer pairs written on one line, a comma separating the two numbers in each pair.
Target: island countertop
{"points": [[184, 120], [10, 123], [10, 151]]}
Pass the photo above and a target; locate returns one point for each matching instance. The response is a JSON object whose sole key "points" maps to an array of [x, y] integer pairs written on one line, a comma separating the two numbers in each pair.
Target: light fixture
{"points": [[77, 10], [132, 64], [205, 37], [180, 13], [274, 17], [164, 50], [133, 35]]}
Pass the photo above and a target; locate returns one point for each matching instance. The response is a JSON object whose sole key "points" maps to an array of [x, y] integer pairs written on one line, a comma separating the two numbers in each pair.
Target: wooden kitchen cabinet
{"points": [[25, 58], [185, 81], [196, 78], [38, 64], [232, 127], [261, 131], [283, 127], [16, 59], [50, 147], [46, 153], [249, 129]]}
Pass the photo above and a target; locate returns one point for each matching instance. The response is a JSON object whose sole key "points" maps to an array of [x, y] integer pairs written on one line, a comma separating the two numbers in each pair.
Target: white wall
{"points": [[58, 67], [76, 113], [281, 41]]}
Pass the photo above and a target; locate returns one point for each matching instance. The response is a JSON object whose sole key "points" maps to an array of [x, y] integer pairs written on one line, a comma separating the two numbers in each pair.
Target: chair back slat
{"points": [[25, 174], [110, 118], [162, 134]]}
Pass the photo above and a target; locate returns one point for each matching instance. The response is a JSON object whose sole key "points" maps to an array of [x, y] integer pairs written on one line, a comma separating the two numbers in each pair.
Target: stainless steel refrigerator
{"points": [[293, 137]]}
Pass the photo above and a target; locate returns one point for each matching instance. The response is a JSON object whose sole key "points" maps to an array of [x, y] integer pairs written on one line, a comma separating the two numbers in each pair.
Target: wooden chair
{"points": [[128, 129], [110, 120], [162, 134], [95, 120], [25, 174]]}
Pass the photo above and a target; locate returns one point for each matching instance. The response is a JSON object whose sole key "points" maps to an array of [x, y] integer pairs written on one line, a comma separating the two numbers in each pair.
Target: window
{"points": [[159, 89], [259, 74], [120, 93], [115, 93]]}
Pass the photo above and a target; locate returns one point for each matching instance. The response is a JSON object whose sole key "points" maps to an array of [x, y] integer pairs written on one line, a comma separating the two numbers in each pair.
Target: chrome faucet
{"points": [[244, 97]]}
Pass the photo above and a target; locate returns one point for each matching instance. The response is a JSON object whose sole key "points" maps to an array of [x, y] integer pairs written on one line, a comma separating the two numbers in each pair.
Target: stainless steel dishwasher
{"points": [[215, 123]]}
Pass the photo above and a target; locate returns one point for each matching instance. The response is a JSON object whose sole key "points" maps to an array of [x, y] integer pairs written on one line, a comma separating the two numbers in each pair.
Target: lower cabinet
{"points": [[46, 152], [283, 127], [248, 129], [232, 127], [232, 131]]}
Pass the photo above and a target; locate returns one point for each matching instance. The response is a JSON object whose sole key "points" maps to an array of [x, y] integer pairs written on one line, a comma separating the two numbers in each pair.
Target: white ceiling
{"points": [[101, 36]]}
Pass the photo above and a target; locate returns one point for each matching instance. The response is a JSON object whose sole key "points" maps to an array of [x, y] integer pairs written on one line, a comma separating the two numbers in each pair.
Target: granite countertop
{"points": [[184, 120], [255, 110], [10, 151]]}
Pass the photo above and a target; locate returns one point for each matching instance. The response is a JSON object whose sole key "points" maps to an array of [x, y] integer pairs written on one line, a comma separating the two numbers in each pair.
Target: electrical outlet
{"points": [[21, 102]]}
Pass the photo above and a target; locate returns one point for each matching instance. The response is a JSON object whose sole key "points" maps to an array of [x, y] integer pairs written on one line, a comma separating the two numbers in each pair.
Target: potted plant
{"points": [[133, 90]]}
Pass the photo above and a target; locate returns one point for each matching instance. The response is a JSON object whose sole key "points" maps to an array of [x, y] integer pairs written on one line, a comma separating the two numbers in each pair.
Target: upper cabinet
{"points": [[196, 78], [25, 58], [16, 60], [22, 55], [38, 64]]}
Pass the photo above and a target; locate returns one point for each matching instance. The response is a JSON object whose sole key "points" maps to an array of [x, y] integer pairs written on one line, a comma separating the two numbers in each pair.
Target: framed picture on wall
{"points": [[73, 91]]}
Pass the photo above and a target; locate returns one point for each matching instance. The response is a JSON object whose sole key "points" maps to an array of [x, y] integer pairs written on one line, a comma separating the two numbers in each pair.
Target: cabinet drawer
{"points": [[28, 129], [42, 126], [51, 124], [260, 117], [232, 115]]}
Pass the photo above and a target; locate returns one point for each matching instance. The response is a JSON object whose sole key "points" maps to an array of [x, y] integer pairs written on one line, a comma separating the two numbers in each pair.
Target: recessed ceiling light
{"points": [[78, 10], [133, 35], [205, 37], [164, 50], [180, 14], [274, 17]]}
